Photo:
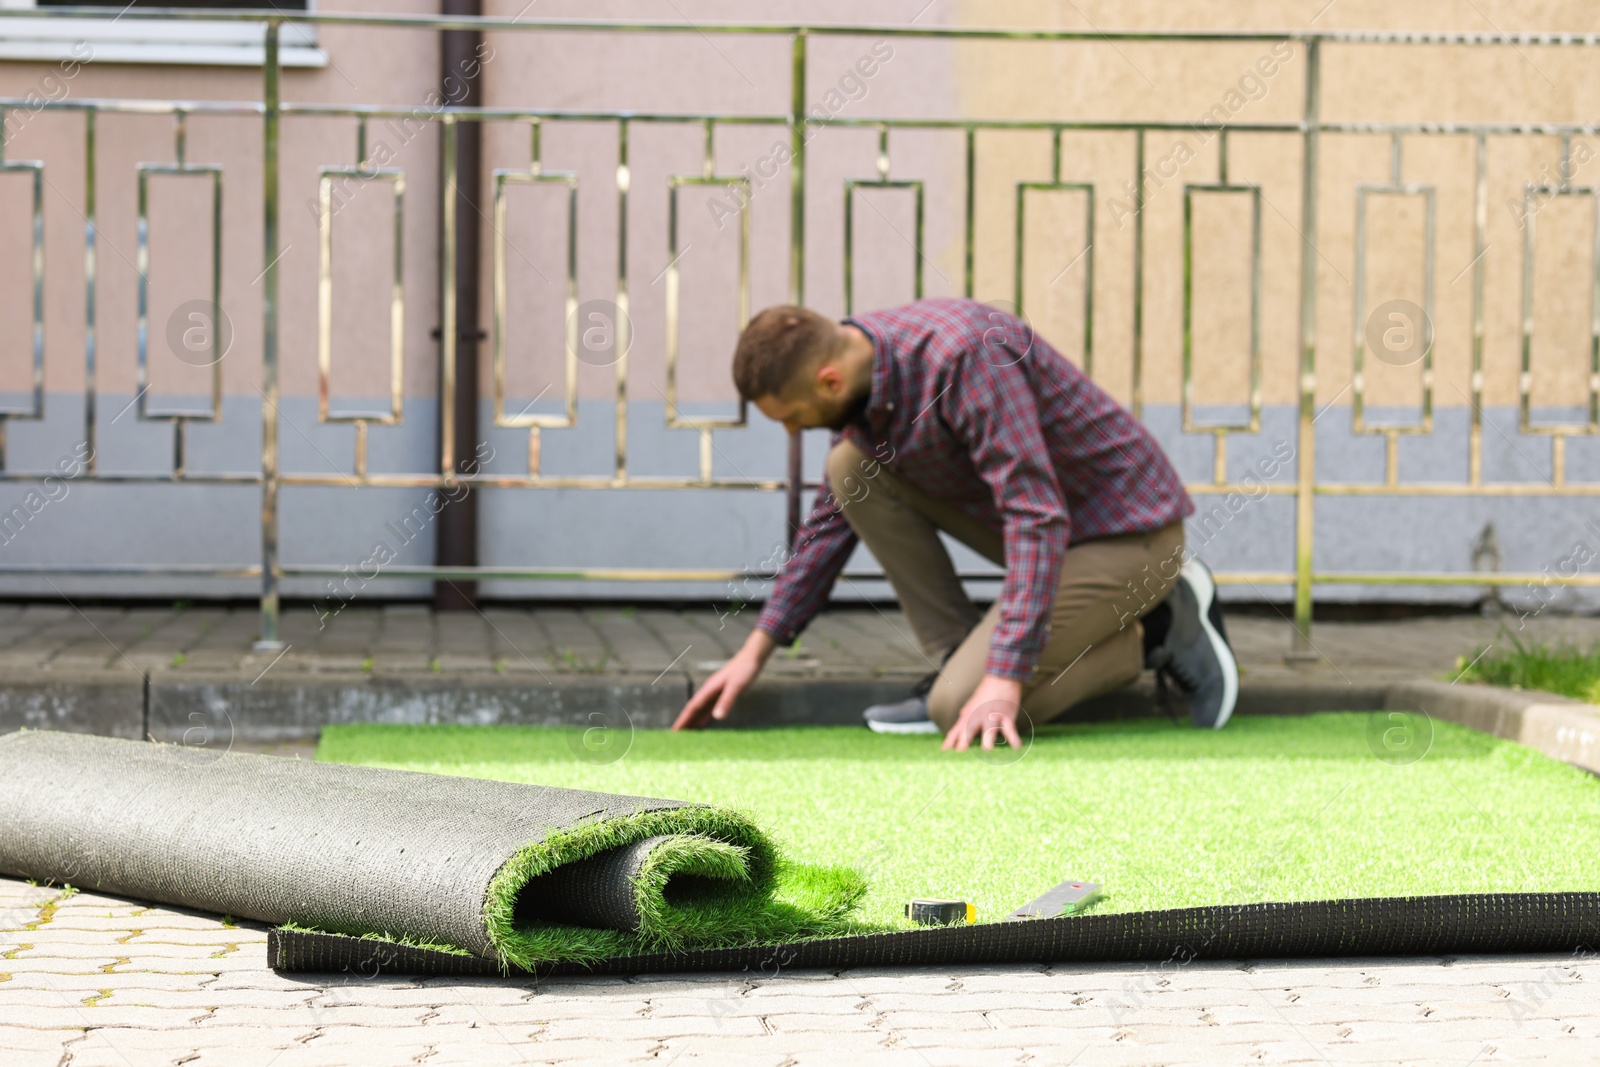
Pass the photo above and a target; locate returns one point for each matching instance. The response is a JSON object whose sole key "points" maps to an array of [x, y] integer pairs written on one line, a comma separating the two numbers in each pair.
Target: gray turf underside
{"points": [[339, 848]]}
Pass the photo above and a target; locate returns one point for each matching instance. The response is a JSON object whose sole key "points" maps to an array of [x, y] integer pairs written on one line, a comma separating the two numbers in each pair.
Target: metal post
{"points": [[622, 329], [91, 279], [797, 242], [1305, 499], [1480, 247], [1136, 404], [269, 342], [456, 544], [970, 230], [447, 298]]}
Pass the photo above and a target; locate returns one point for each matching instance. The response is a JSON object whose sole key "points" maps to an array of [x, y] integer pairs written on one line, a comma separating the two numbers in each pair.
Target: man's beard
{"points": [[849, 411]]}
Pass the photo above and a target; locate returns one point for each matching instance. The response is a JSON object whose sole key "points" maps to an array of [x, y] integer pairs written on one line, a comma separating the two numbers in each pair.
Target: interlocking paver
{"points": [[164, 1002], [758, 1002], [858, 640], [87, 979], [634, 646], [575, 644]]}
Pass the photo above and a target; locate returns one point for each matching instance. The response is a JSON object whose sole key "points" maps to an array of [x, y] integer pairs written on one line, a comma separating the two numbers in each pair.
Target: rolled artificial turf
{"points": [[516, 874], [1332, 834], [1322, 807], [689, 877]]}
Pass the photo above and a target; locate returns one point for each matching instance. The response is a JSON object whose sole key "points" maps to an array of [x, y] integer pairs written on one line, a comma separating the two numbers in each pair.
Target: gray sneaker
{"points": [[908, 716], [1196, 656]]}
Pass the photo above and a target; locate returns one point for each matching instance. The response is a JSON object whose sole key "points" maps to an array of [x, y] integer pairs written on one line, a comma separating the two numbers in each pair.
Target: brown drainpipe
{"points": [[456, 543]]}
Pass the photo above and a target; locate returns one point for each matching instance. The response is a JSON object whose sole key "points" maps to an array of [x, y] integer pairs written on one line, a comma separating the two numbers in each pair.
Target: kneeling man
{"points": [[951, 415]]}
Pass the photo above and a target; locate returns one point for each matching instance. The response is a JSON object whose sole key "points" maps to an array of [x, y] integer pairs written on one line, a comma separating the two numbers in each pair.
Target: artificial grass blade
{"points": [[708, 878], [1318, 807]]}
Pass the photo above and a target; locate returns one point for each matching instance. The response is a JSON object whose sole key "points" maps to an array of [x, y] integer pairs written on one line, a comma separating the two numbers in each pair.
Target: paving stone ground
{"points": [[96, 981], [849, 641]]}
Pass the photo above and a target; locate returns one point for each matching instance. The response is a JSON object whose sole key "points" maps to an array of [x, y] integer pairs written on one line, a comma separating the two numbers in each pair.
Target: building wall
{"points": [[695, 73]]}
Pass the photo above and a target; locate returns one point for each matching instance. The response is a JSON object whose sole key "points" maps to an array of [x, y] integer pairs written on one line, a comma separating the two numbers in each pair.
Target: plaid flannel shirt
{"points": [[972, 407]]}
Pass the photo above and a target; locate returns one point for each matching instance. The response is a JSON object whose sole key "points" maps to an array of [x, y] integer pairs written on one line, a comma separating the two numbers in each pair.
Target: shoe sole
{"points": [[902, 727], [1205, 591]]}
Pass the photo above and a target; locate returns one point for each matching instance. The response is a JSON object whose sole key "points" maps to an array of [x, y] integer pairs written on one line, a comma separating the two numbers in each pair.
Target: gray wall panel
{"points": [[340, 525]]}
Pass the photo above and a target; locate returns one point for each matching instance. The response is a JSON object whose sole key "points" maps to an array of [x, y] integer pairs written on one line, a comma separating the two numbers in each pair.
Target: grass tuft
{"points": [[1565, 669]]}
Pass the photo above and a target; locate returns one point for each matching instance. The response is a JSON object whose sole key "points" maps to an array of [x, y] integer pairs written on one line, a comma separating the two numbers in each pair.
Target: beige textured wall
{"points": [[749, 75], [1176, 82], [688, 73], [366, 66]]}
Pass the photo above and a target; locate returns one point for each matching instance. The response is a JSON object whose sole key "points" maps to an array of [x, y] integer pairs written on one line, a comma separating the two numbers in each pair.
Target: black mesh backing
{"points": [[1379, 926]]}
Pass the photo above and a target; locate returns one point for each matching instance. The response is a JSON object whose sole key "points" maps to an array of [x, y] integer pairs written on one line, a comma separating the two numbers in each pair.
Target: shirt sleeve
{"points": [[992, 409], [821, 549]]}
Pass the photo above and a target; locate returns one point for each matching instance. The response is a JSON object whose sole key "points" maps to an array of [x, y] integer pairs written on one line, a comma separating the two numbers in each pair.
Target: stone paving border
{"points": [[102, 702], [294, 707], [1567, 730], [93, 981], [297, 706], [190, 671], [220, 710]]}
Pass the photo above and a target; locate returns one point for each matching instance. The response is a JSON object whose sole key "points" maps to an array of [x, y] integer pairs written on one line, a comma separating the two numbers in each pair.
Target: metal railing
{"points": [[1305, 487]]}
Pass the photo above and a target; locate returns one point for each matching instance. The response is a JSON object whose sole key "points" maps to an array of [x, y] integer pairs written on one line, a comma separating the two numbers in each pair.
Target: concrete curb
{"points": [[1278, 695], [108, 703], [202, 709], [289, 707], [192, 708], [1567, 730], [814, 701]]}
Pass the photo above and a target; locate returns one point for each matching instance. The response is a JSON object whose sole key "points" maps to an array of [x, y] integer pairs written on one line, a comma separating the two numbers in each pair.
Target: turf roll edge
{"points": [[1379, 926], [509, 875]]}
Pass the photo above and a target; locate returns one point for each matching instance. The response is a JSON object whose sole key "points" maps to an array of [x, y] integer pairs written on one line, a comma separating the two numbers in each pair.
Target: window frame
{"points": [[165, 42]]}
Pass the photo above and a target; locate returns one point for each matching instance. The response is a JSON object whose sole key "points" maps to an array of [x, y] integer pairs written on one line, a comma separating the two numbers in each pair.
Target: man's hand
{"points": [[714, 699], [990, 712]]}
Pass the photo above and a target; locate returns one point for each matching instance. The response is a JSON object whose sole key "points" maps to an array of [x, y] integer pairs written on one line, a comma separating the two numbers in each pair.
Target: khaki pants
{"points": [[1095, 642]]}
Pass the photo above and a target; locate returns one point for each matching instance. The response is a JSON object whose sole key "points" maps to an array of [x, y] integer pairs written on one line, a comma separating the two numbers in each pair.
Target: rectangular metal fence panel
{"points": [[336, 179]]}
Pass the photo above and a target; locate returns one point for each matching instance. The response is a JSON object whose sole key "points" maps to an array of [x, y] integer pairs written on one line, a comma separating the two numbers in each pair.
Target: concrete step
{"points": [[215, 712]]}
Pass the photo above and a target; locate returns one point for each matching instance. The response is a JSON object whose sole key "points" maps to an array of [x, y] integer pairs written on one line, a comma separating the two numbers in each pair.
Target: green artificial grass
{"points": [[1564, 669], [744, 891], [714, 881], [1269, 809]]}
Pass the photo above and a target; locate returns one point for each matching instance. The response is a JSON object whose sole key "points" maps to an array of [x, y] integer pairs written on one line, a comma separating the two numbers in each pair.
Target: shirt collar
{"points": [[880, 402]]}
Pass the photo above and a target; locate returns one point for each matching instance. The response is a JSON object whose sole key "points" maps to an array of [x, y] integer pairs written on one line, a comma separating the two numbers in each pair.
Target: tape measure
{"points": [[1068, 898], [940, 912]]}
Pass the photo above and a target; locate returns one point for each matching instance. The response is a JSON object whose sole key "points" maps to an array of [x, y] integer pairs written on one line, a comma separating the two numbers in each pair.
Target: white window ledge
{"points": [[178, 42]]}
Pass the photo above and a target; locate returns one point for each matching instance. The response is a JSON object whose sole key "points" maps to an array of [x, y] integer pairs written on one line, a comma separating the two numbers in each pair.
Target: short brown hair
{"points": [[778, 344]]}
